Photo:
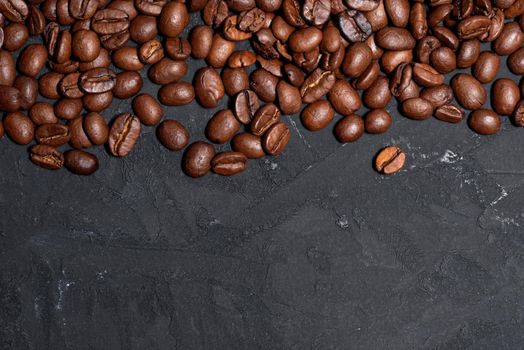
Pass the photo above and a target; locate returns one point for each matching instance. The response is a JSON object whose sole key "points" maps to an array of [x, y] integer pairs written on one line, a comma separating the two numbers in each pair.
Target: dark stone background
{"points": [[311, 250]]}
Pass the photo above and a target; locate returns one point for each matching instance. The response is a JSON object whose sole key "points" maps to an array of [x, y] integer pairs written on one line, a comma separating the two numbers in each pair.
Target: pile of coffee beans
{"points": [[319, 58]]}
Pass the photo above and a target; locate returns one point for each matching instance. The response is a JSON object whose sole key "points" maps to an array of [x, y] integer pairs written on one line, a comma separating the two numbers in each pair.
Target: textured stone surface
{"points": [[311, 250]]}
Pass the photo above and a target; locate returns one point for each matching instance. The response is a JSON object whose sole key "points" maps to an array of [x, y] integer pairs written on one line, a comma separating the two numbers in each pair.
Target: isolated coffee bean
{"points": [[378, 95], [46, 157], [349, 128], [19, 128], [124, 134], [235, 80], [228, 163], [468, 91], [248, 144], [209, 89], [42, 113], [276, 139], [505, 95], [80, 162], [377, 121], [176, 94], [438, 95], [317, 115], [222, 126], [53, 134], [390, 160], [127, 84], [417, 108], [173, 135], [10, 98], [486, 67], [449, 113], [265, 117], [147, 109], [484, 122], [197, 159], [96, 128]]}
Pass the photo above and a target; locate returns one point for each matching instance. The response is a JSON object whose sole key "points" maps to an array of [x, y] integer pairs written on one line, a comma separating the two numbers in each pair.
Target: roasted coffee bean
{"points": [[438, 95], [235, 80], [518, 114], [390, 60], [228, 163], [147, 109], [446, 37], [449, 113], [82, 9], [15, 36], [96, 128], [417, 108], [401, 79], [81, 25], [265, 117], [150, 7], [264, 43], [177, 48], [468, 53], [79, 138], [468, 91], [201, 39], [115, 41], [294, 74], [486, 67], [42, 113], [51, 33], [331, 39], [396, 39], [173, 135], [10, 99], [363, 5], [209, 89], [281, 29], [86, 45], [443, 60], [317, 85], [292, 14], [515, 62], [398, 12], [222, 126], [32, 60], [251, 20], [307, 60], [143, 28], [103, 60], [354, 26], [424, 48], [124, 134], [48, 85], [378, 95], [19, 128], [484, 122], [317, 115], [377, 121], [390, 160], [110, 21], [28, 88], [358, 58], [377, 18], [264, 84], [127, 84], [63, 48], [232, 32], [49, 10], [69, 86], [344, 99], [246, 104], [80, 162], [176, 94], [276, 139], [167, 71], [220, 51], [288, 97], [474, 27], [215, 12], [510, 39], [197, 159], [316, 12], [427, 76], [7, 68], [497, 24], [14, 10], [241, 59], [248, 144], [173, 19], [97, 102], [97, 80], [53, 134], [505, 95], [305, 40], [418, 21], [68, 108], [46, 157], [349, 128]]}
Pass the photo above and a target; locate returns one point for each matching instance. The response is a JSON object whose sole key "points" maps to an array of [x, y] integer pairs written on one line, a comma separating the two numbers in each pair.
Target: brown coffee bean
{"points": [[97, 80], [331, 39], [82, 9], [177, 48], [427, 76], [147, 109], [518, 114], [251, 20], [240, 59], [264, 119], [97, 102], [69, 86], [126, 58], [48, 85], [151, 52], [474, 27], [484, 122], [68, 108], [64, 68], [515, 62], [209, 89], [398, 12], [173, 135], [443, 59], [86, 45], [424, 48], [143, 28], [378, 95], [486, 67], [510, 39], [317, 85], [103, 60], [231, 31], [35, 21], [417, 108], [468, 91], [505, 95], [344, 99], [358, 58], [7, 68], [438, 95], [96, 128], [215, 12], [367, 78], [42, 113], [228, 163], [79, 138], [14, 10], [264, 84], [246, 104], [249, 144], [10, 98], [53, 134], [19, 128], [349, 128], [305, 40], [377, 121], [127, 84], [124, 134], [46, 157], [201, 38], [281, 29], [167, 71], [377, 18], [110, 21], [220, 51], [80, 162], [176, 94], [235, 80], [354, 25], [197, 159], [390, 60], [222, 126], [15, 36], [449, 113], [418, 21], [401, 79], [397, 39], [469, 53], [289, 98], [317, 115], [276, 139], [28, 88], [390, 160], [294, 74], [150, 7], [173, 19], [32, 60]]}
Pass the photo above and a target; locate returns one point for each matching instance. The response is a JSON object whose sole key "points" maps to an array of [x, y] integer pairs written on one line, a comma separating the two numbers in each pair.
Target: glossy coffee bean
{"points": [[68, 108], [10, 99], [484, 122], [127, 84], [264, 84], [28, 88], [390, 160], [124, 134], [110, 21], [378, 95], [515, 62], [151, 52], [19, 128], [97, 80], [7, 68], [396, 39], [32, 60], [317, 115], [48, 85], [288, 97], [486, 67], [167, 71], [468, 91], [15, 36], [209, 89], [96, 128], [143, 28], [265, 117], [80, 162], [103, 60], [358, 58], [398, 12], [344, 99], [173, 135], [443, 59], [276, 139], [235, 80], [317, 85], [228, 163], [220, 51], [427, 76], [126, 58], [46, 157], [510, 39], [14, 10], [86, 45], [438, 95], [147, 109], [222, 126], [417, 108], [78, 138], [197, 159], [176, 94], [97, 102], [42, 113], [173, 19], [468, 53], [377, 121], [449, 113], [505, 95], [53, 134], [349, 128], [248, 144], [177, 48], [201, 38]]}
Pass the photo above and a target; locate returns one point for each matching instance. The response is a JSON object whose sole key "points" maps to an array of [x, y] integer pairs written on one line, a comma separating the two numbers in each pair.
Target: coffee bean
{"points": [[127, 58], [80, 162], [390, 160], [176, 94], [177, 48], [358, 58], [392, 38], [449, 113], [438, 95], [147, 109], [103, 60], [215, 12], [82, 9], [235, 80], [222, 126], [96, 128], [349, 128], [292, 14], [241, 59], [398, 12], [316, 12], [505, 95], [97, 80], [265, 117], [220, 51], [390, 60], [15, 36], [344, 99], [68, 108], [246, 104], [46, 157], [367, 78], [69, 86], [425, 46], [354, 26], [418, 21], [317, 115], [173, 19], [378, 95], [228, 163], [281, 29], [86, 45], [143, 28], [468, 91], [150, 7], [48, 85], [515, 62], [486, 67], [201, 38], [518, 114], [427, 76], [377, 121], [317, 85], [469, 53], [19, 128], [264, 84], [28, 88], [127, 84], [197, 159], [293, 74], [32, 60], [167, 71], [42, 113], [151, 52], [110, 21], [289, 98], [331, 39], [510, 39], [209, 89], [7, 68], [10, 98], [417, 108], [97, 102], [377, 18], [231, 31], [474, 27], [53, 134], [248, 144], [443, 59], [484, 122], [276, 138], [252, 20], [14, 10], [35, 21], [304, 40], [78, 138], [124, 134], [173, 135]]}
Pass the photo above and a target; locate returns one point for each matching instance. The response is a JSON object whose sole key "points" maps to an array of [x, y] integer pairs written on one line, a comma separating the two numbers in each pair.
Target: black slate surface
{"points": [[311, 250]]}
